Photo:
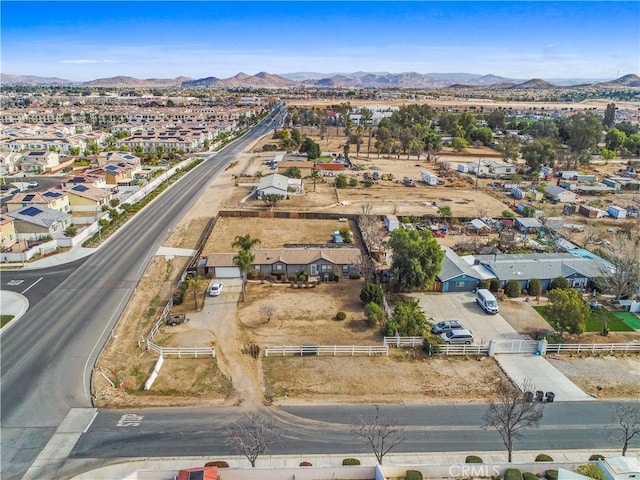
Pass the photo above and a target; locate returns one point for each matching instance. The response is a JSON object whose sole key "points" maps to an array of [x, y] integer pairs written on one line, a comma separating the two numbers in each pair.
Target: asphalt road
{"points": [[326, 429], [47, 357]]}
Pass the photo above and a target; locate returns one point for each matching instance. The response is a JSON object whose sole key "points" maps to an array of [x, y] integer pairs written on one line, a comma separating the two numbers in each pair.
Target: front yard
{"points": [[596, 321]]}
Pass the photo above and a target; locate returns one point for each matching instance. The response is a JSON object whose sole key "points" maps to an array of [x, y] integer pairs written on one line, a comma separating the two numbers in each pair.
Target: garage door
{"points": [[227, 272]]}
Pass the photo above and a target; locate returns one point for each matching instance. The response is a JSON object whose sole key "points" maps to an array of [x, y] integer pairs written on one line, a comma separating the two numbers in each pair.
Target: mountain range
{"points": [[337, 80]]}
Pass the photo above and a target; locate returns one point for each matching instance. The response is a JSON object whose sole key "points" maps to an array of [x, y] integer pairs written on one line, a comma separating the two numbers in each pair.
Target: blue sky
{"points": [[87, 40]]}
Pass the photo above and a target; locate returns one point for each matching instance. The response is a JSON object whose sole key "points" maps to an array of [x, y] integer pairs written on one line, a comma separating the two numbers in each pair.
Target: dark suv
{"points": [[446, 326]]}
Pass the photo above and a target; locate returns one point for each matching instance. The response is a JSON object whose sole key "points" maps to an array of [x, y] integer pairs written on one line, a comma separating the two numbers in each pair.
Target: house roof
{"points": [[42, 216], [453, 266], [556, 190], [275, 180], [291, 256], [478, 224], [35, 197], [329, 166], [529, 222], [542, 266]]}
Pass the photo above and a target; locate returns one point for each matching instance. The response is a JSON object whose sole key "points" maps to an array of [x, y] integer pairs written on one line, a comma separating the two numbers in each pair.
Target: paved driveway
{"points": [[463, 307]]}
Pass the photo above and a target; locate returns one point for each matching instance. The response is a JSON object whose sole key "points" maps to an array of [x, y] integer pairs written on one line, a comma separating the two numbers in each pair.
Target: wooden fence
{"points": [[593, 347], [330, 350]]}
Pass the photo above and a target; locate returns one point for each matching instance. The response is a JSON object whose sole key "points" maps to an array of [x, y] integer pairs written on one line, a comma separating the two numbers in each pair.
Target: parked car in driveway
{"points": [[458, 337], [446, 326], [216, 289]]}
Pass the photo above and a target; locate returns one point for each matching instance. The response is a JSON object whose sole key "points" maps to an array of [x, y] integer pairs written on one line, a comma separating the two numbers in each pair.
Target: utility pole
{"points": [[478, 173]]}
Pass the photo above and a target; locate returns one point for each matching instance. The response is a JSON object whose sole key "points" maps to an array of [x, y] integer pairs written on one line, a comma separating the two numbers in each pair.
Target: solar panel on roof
{"points": [[52, 194], [80, 188], [28, 198], [31, 211]]}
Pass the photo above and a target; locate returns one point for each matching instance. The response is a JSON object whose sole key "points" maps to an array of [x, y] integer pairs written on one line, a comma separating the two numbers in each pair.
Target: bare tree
{"points": [[379, 433], [627, 424], [268, 310], [622, 277], [252, 436], [512, 412]]}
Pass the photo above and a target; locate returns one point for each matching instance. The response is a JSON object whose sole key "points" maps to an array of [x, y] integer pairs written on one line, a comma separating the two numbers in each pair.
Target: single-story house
{"points": [[456, 275], [321, 262], [559, 194], [543, 266], [527, 225], [277, 184], [40, 221]]}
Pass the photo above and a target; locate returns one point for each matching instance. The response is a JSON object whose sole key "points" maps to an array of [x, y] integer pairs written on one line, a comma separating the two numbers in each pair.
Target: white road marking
{"points": [[31, 286]]}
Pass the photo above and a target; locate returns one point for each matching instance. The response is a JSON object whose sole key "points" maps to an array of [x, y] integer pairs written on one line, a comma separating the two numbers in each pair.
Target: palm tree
{"points": [[245, 242], [195, 284], [243, 260], [315, 174]]}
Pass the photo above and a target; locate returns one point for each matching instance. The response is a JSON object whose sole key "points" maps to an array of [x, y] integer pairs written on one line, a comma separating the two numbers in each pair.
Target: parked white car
{"points": [[216, 289]]}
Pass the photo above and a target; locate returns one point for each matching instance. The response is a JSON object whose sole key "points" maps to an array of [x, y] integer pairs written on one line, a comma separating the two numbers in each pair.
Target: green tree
{"points": [[272, 199], [292, 172], [245, 242], [512, 289], [459, 144], [407, 320], [607, 154], [535, 287], [206, 145], [92, 148], [509, 146], [568, 312], [375, 314], [540, 152], [615, 139], [559, 282], [244, 260], [495, 119], [311, 148], [195, 284], [632, 144], [481, 134], [583, 131], [341, 181], [609, 119], [371, 293], [74, 151], [543, 128], [417, 258], [70, 231], [445, 212], [296, 136]]}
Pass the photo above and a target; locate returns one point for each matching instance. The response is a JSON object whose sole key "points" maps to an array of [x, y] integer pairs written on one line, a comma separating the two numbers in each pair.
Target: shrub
{"points": [[341, 181], [484, 284], [551, 474], [178, 296], [512, 289], [535, 287], [473, 459], [590, 470], [371, 293], [431, 345], [353, 182], [413, 475], [595, 457], [306, 464], [341, 316], [543, 457], [494, 285], [217, 463], [253, 274], [350, 461], [512, 474], [368, 183], [529, 476], [559, 282], [375, 314]]}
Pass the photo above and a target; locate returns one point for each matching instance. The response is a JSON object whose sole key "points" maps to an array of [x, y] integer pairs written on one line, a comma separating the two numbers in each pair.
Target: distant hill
{"points": [[629, 80], [132, 82], [242, 80], [342, 80], [534, 84], [8, 79]]}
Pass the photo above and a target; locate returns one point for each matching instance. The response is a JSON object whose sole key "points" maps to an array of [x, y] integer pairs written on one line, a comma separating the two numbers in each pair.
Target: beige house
{"points": [[9, 162], [8, 235], [53, 199], [39, 161], [86, 200]]}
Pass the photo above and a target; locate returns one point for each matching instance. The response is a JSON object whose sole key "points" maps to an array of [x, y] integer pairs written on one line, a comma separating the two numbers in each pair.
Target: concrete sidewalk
{"points": [[542, 375]]}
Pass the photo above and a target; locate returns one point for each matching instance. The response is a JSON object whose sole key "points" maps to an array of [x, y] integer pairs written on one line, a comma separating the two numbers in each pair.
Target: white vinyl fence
{"points": [[326, 350], [593, 347]]}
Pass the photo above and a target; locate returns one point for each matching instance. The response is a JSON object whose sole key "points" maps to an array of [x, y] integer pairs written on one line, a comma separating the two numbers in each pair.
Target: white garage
{"points": [[226, 272]]}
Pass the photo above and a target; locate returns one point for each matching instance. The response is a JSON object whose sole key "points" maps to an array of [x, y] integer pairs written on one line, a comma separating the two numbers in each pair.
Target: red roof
{"points": [[330, 166]]}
